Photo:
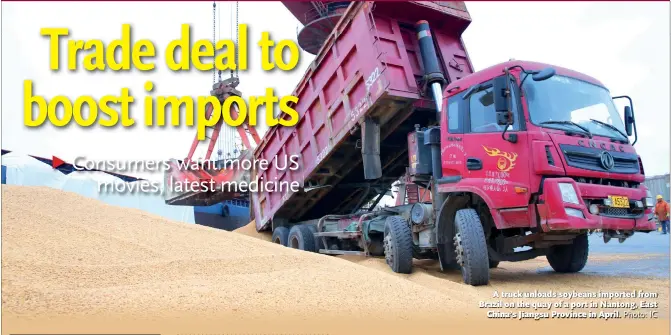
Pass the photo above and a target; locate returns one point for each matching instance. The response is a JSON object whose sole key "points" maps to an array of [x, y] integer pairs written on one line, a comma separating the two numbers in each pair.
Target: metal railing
{"points": [[314, 14], [325, 10]]}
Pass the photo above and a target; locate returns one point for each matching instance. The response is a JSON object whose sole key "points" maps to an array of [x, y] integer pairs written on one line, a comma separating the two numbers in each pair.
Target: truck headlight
{"points": [[574, 212], [568, 193]]}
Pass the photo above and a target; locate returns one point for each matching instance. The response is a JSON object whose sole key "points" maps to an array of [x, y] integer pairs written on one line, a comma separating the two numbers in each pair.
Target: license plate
{"points": [[619, 202]]}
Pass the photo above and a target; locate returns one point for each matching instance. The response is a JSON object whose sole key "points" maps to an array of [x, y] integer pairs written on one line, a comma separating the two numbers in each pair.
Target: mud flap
{"points": [[370, 149], [445, 232]]}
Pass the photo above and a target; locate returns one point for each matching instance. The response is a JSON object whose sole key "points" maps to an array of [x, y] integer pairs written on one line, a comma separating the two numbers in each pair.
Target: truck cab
{"points": [[539, 156]]}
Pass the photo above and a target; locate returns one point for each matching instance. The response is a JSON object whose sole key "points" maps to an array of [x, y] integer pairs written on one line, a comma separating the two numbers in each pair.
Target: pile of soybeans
{"points": [[73, 264]]}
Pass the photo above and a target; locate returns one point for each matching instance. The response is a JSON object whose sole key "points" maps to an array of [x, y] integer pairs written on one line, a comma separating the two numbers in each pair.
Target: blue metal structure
{"points": [[228, 215], [659, 185]]}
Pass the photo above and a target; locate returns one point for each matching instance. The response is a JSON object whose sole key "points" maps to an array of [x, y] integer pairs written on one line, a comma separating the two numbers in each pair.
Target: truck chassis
{"points": [[410, 231]]}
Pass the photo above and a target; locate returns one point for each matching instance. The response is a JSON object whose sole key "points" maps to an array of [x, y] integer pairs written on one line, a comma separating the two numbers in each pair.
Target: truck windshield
{"points": [[563, 98]]}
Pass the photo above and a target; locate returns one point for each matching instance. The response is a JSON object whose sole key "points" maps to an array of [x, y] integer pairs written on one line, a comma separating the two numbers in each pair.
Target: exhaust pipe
{"points": [[433, 76]]}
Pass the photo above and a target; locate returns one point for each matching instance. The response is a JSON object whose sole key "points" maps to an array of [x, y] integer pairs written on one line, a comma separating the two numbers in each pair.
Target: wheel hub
{"points": [[458, 249], [388, 250]]}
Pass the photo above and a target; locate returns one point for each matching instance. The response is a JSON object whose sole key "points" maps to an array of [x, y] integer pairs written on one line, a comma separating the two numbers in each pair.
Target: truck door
{"points": [[491, 163], [453, 153]]}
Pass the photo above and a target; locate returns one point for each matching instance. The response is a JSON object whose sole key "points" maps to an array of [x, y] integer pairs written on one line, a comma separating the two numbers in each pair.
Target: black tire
{"points": [[281, 235], [473, 256], [569, 258], [313, 230], [301, 238], [398, 244]]}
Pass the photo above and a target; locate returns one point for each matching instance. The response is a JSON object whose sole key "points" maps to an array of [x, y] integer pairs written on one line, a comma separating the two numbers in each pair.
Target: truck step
{"points": [[339, 234], [341, 252], [412, 193]]}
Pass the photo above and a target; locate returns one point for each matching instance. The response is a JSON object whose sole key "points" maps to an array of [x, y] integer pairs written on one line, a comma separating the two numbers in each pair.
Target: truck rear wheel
{"points": [[398, 244], [281, 235], [302, 238], [569, 258], [318, 243], [471, 247]]}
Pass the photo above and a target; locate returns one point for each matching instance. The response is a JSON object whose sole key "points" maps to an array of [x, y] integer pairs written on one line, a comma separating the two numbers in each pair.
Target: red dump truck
{"points": [[520, 154]]}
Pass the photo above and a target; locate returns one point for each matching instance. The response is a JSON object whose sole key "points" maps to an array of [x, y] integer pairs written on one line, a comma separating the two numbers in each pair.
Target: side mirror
{"points": [[543, 74], [502, 102], [628, 120]]}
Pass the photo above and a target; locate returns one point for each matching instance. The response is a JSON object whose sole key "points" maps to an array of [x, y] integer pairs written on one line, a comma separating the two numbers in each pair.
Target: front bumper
{"points": [[559, 215]]}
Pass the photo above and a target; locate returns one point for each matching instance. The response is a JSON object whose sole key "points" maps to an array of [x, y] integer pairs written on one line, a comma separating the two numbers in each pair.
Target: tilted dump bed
{"points": [[369, 67], [368, 72]]}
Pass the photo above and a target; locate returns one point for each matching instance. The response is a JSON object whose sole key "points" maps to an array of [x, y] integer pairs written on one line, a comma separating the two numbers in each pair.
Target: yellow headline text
{"points": [[181, 54]]}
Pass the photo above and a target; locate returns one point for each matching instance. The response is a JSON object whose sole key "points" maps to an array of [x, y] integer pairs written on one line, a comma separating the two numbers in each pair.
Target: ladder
{"points": [[412, 193], [380, 55], [408, 192]]}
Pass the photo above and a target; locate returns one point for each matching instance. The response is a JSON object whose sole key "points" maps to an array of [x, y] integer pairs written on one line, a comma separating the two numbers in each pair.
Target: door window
{"points": [[482, 113], [453, 121], [455, 108]]}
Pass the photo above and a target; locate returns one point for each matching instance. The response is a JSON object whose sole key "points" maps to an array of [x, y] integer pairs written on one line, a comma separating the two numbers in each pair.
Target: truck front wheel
{"points": [[281, 235], [569, 258], [398, 244], [471, 247]]}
